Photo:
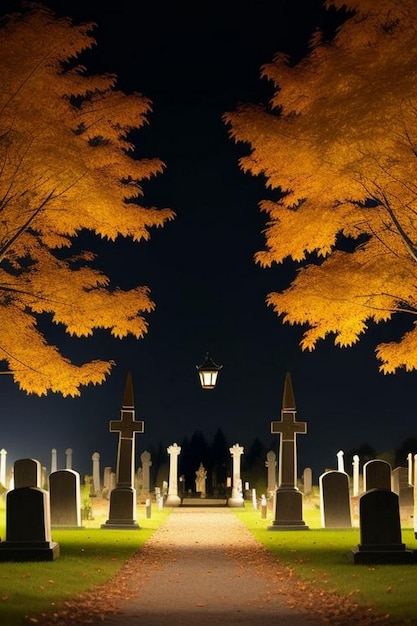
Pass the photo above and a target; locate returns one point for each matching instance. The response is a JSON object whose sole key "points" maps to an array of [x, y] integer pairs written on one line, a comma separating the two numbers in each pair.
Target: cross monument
{"points": [[123, 497], [288, 499]]}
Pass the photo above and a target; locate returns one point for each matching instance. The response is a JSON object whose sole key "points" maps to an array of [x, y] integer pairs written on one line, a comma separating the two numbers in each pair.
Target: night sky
{"points": [[195, 64]]}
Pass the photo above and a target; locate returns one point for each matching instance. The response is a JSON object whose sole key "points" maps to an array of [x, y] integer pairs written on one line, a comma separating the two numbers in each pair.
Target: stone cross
{"points": [[127, 426], [123, 497], [288, 499], [288, 428]]}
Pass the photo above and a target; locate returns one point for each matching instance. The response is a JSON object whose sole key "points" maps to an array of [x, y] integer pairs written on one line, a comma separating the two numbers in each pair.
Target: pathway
{"points": [[202, 567]]}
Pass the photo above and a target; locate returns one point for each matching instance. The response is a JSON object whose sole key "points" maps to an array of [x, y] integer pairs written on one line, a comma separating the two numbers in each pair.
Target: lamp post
{"points": [[208, 372]]}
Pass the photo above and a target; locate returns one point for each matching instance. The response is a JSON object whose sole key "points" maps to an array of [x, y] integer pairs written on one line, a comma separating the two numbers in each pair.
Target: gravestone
{"points": [[28, 519], [68, 458], [288, 499], [236, 499], [405, 492], [380, 530], [123, 505], [271, 464], [145, 457], [377, 475], [335, 500], [65, 498], [54, 460], [173, 498], [96, 473], [340, 461], [355, 464], [307, 480], [27, 473]]}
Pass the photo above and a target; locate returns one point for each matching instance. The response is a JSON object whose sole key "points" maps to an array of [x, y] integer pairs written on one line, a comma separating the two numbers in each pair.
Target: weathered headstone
{"points": [[271, 464], [28, 519], [68, 458], [54, 460], [123, 505], [173, 498], [307, 480], [355, 464], [380, 530], [65, 498], [96, 473], [236, 499], [288, 499], [335, 500], [145, 458], [405, 492], [376, 475], [27, 473]]}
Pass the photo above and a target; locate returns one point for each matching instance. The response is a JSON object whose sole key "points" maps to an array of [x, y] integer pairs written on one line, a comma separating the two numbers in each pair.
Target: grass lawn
{"points": [[89, 557], [322, 557]]}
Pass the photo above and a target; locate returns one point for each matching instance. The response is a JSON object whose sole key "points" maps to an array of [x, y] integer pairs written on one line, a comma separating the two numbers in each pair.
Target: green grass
{"points": [[322, 556], [89, 556]]}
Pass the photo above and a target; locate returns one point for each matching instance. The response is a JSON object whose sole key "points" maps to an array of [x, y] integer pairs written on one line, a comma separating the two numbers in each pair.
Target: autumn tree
{"points": [[66, 166], [337, 146]]}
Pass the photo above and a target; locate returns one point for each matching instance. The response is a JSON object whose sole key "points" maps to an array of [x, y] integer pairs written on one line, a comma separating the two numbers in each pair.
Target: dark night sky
{"points": [[195, 64]]}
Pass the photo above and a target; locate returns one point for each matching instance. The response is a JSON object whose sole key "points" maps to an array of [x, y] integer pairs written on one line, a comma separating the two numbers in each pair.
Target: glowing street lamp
{"points": [[208, 372]]}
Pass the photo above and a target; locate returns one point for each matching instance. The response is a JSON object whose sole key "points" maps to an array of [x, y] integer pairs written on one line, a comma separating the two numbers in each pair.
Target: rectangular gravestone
{"points": [[28, 527], [335, 500], [27, 473], [380, 530], [65, 498], [377, 475]]}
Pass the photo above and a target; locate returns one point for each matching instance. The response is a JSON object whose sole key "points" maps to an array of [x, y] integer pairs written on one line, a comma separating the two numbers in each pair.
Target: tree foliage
{"points": [[66, 165], [338, 148]]}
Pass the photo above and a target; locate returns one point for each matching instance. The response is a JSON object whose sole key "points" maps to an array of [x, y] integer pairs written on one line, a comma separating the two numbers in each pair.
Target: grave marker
{"points": [[288, 499], [380, 530], [335, 500], [123, 497], [65, 498]]}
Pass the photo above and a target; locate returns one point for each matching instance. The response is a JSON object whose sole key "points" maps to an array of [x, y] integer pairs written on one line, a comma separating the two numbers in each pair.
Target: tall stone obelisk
{"points": [[123, 497], [288, 498]]}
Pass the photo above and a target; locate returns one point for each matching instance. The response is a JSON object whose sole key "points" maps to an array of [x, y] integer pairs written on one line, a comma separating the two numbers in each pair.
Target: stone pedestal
{"points": [[122, 509], [288, 510]]}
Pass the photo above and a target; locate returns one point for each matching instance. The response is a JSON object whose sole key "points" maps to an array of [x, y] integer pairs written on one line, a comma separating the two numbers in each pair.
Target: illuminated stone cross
{"points": [[288, 500], [123, 497], [126, 427]]}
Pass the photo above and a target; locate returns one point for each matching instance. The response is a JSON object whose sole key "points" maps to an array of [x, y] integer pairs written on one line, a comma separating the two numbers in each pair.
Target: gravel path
{"points": [[202, 567]]}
